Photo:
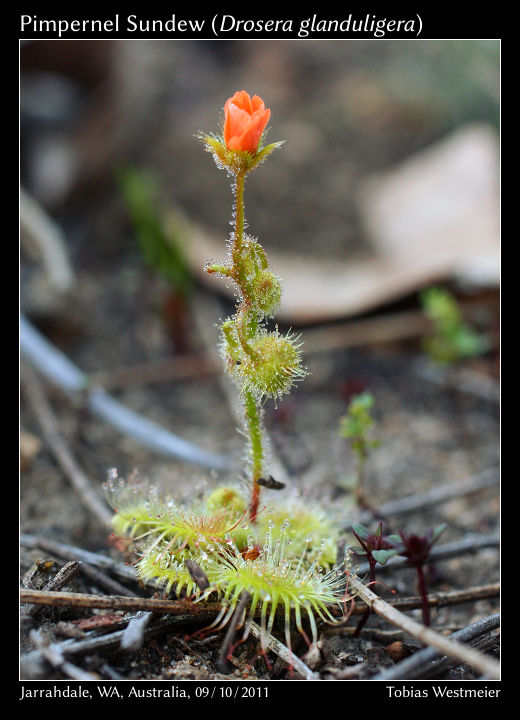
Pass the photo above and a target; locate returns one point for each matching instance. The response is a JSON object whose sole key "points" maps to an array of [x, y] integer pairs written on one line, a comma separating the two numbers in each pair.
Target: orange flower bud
{"points": [[245, 121]]}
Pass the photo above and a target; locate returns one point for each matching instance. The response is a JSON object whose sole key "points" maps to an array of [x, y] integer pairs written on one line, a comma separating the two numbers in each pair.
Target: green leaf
{"points": [[160, 242], [361, 530], [382, 556], [437, 531], [451, 339], [264, 152], [357, 550]]}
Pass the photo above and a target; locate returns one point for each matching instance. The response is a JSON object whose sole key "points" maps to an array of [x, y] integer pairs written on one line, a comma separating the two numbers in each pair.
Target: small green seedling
{"points": [[451, 339], [160, 248], [159, 240], [356, 426]]}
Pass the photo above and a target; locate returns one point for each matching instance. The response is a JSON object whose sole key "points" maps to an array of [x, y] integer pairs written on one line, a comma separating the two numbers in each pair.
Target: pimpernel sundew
{"points": [[145, 515], [278, 558], [277, 580], [169, 571]]}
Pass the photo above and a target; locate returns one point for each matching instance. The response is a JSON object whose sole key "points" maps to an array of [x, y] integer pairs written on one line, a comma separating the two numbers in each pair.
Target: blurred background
{"points": [[348, 112], [387, 184]]}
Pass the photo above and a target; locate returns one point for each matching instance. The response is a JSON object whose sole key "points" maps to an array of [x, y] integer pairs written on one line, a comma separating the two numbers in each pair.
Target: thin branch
{"points": [[283, 652], [60, 450], [435, 496], [470, 544], [55, 366], [62, 577], [419, 662], [460, 378], [486, 643], [180, 367], [444, 599], [382, 328], [225, 648], [73, 553], [486, 666], [102, 580], [111, 641], [165, 605], [55, 657], [116, 602], [133, 636], [38, 226]]}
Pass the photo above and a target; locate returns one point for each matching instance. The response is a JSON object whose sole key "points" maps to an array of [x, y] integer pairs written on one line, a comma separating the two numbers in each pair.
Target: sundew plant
{"points": [[280, 558]]}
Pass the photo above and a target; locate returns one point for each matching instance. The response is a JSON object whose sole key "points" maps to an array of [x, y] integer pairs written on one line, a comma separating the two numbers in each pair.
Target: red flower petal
{"points": [[245, 121]]}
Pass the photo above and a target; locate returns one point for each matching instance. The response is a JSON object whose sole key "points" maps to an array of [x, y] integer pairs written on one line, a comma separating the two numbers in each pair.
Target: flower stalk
{"points": [[263, 363], [239, 222], [257, 450]]}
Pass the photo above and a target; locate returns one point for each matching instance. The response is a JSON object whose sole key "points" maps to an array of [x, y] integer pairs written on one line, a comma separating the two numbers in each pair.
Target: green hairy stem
{"points": [[263, 363]]}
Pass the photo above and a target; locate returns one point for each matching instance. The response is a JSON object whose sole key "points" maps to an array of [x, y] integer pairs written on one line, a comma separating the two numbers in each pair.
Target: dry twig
{"points": [[470, 544], [283, 652], [102, 580], [225, 648], [486, 666], [444, 599], [435, 496], [62, 577], [180, 367], [117, 602], [59, 448], [420, 662], [46, 234], [54, 656], [112, 641], [73, 553], [54, 365]]}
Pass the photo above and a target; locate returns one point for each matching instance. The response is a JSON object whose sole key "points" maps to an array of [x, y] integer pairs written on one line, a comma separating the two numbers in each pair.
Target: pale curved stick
{"points": [[407, 669], [487, 666], [55, 366]]}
